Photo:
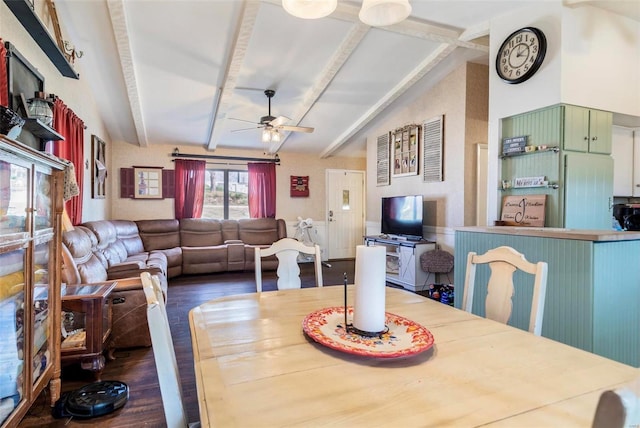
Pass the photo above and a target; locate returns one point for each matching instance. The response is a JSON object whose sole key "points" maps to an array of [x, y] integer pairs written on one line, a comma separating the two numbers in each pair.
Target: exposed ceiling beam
{"points": [[342, 54], [238, 50], [437, 56], [118, 17], [421, 30], [475, 32], [449, 38], [409, 27]]}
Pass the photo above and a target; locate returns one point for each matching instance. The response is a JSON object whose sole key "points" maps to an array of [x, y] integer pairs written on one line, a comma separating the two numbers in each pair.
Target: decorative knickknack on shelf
{"points": [[40, 108], [10, 123]]}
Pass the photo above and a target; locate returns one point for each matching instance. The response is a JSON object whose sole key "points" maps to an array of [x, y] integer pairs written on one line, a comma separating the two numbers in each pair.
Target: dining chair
{"points": [[164, 354], [287, 251], [503, 262], [619, 408]]}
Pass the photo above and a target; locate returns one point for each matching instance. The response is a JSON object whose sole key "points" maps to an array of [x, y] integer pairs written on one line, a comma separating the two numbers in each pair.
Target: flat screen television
{"points": [[402, 216]]}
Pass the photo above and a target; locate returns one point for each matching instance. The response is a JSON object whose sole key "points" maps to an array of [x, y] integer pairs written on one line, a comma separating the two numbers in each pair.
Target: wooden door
{"points": [[622, 154], [345, 212]]}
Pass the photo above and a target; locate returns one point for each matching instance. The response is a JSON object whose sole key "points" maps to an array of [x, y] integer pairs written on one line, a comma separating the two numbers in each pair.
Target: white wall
{"points": [[601, 60], [74, 92], [450, 203]]}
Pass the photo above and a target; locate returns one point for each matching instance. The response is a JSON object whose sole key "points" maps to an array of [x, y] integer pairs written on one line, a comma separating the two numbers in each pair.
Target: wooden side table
{"points": [[86, 324]]}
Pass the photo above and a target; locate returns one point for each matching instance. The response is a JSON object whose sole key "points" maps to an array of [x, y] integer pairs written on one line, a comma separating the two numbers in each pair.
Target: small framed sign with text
{"points": [[299, 186], [524, 210]]}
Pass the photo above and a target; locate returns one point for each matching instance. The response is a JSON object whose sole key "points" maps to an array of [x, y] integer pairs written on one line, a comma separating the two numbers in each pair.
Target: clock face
{"points": [[521, 54]]}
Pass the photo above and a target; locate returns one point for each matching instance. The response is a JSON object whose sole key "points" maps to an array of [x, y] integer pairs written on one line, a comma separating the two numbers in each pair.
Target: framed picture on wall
{"points": [[98, 168], [404, 150], [148, 182]]}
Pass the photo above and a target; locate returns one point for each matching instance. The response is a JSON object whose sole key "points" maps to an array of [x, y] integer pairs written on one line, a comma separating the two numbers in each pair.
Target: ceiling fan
{"points": [[273, 126]]}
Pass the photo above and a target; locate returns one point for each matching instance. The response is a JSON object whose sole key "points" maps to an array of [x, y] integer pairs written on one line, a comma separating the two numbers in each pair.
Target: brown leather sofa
{"points": [[121, 250]]}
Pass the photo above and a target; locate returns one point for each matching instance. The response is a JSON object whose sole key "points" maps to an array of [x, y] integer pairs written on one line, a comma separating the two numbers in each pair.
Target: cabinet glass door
{"points": [[40, 305], [12, 343], [43, 205], [14, 200]]}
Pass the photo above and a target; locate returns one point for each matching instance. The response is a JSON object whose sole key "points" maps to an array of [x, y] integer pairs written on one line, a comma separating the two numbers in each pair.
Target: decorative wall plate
{"points": [[404, 338]]}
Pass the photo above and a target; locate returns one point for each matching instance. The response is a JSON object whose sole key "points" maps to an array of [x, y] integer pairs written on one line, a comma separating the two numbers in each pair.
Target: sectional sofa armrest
{"points": [[126, 266], [130, 283], [233, 241], [119, 274]]}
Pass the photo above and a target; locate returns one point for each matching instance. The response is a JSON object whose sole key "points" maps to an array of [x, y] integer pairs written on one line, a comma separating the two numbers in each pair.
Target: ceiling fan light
{"points": [[275, 136], [380, 13], [266, 136], [310, 9]]}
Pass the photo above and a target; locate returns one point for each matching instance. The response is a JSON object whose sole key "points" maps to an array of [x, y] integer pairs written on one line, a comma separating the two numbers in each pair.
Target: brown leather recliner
{"points": [[82, 266]]}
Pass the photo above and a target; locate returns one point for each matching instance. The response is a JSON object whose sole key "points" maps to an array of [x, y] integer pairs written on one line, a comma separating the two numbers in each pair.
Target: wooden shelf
{"points": [[41, 130], [548, 149], [38, 31], [546, 186]]}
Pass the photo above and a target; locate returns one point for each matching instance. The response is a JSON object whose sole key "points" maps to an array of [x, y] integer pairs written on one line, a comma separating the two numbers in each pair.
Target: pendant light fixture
{"points": [[310, 9], [380, 13]]}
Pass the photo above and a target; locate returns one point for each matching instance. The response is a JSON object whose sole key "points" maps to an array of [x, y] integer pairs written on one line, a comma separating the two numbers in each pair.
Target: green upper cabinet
{"points": [[578, 174], [587, 130]]}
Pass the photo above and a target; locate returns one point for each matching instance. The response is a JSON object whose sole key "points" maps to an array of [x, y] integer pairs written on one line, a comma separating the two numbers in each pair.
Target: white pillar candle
{"points": [[370, 279]]}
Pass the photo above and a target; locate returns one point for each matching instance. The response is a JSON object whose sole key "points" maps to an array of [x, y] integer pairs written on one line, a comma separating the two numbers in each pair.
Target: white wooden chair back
{"points": [[619, 408], [164, 353], [287, 251], [503, 262]]}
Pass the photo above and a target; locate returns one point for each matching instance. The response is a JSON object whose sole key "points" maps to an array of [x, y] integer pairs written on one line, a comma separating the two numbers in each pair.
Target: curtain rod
{"points": [[177, 154]]}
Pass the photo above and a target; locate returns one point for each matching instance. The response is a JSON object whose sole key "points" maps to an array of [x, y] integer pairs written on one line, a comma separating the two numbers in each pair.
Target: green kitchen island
{"points": [[593, 284]]}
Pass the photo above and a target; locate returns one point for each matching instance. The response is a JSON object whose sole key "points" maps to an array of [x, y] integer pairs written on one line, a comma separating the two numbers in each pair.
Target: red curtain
{"points": [[4, 81], [71, 127], [262, 190], [189, 185]]}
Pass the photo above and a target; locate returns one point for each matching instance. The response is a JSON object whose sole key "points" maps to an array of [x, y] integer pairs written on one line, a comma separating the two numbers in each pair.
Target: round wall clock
{"points": [[521, 55]]}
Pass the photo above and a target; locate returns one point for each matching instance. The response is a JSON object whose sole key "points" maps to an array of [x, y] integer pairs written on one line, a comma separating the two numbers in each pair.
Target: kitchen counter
{"points": [[593, 284], [556, 232]]}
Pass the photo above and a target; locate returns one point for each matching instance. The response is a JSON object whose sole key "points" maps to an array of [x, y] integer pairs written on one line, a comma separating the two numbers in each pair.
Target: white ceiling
{"points": [[178, 71]]}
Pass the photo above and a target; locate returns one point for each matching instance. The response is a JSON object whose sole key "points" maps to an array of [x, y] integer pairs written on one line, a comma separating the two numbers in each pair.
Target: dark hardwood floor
{"points": [[136, 367]]}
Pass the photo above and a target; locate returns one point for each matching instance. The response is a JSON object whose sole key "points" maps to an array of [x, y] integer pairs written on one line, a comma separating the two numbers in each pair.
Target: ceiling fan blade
{"points": [[296, 128], [278, 121], [242, 120], [246, 129]]}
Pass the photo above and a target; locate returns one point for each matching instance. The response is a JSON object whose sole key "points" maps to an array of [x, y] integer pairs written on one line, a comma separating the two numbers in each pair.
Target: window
{"points": [[226, 194]]}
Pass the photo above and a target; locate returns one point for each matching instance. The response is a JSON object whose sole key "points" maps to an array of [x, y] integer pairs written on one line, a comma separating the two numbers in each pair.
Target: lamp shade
{"points": [[380, 13], [309, 9]]}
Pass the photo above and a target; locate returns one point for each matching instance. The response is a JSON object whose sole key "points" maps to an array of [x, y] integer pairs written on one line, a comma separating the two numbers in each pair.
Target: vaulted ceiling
{"points": [[194, 72]]}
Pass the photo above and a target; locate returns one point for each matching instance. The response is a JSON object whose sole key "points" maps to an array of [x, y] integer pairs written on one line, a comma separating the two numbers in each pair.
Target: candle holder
{"points": [[349, 328]]}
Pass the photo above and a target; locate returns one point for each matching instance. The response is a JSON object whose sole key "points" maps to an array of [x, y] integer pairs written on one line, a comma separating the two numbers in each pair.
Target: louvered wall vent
{"points": [[382, 161], [432, 139]]}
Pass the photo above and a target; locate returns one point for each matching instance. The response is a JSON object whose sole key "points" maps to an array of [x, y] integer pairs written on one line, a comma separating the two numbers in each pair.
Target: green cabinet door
{"points": [[588, 191], [600, 131], [587, 130], [576, 129]]}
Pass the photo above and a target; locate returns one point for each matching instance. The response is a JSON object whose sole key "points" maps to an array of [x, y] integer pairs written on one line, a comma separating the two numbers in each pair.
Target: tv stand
{"points": [[403, 260]]}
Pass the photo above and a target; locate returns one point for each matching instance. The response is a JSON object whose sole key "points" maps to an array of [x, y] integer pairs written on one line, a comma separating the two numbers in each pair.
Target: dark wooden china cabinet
{"points": [[31, 205]]}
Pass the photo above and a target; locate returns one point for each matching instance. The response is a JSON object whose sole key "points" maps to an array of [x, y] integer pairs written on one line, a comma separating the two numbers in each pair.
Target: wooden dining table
{"points": [[256, 367]]}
